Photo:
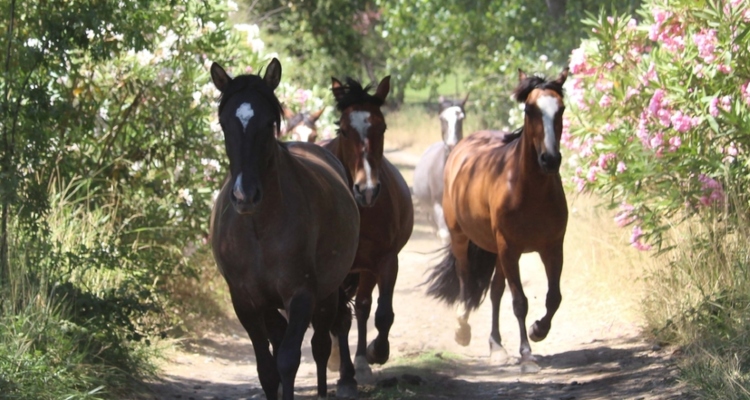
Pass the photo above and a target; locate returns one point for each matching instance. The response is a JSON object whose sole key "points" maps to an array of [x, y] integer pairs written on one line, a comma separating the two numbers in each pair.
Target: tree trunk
{"points": [[556, 8]]}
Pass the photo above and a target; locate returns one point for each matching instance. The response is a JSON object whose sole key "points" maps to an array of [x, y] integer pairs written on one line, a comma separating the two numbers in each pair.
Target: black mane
{"points": [[511, 136], [524, 88], [354, 93], [252, 82]]}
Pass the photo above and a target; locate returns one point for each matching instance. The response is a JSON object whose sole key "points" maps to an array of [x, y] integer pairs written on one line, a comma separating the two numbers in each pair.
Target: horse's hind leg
{"points": [[289, 354], [553, 261], [379, 349], [442, 227], [252, 321], [346, 387], [459, 248], [322, 321], [362, 306]]}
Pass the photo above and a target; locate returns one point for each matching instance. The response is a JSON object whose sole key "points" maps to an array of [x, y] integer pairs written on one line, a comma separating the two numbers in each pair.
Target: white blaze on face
{"points": [[451, 115], [244, 113], [239, 194], [548, 106], [359, 120], [302, 132], [368, 173]]}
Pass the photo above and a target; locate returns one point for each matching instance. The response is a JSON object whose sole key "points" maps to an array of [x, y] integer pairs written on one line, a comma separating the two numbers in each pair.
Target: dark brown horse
{"points": [[386, 213], [284, 232], [503, 197], [301, 126]]}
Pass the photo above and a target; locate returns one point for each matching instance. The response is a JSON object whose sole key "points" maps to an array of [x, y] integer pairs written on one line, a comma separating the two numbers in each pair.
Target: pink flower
{"points": [[603, 85], [635, 91], [657, 101], [657, 140], [706, 42], [605, 101], [674, 143], [642, 133], [745, 92], [714, 191], [579, 64], [603, 159], [713, 107], [726, 103], [636, 239], [665, 116], [609, 127], [621, 167], [682, 122], [650, 75], [566, 139], [625, 216], [591, 175], [632, 24], [580, 183], [724, 68]]}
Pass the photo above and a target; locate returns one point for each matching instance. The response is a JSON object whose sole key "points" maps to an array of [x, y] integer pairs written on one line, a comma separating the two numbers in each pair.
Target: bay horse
{"points": [[283, 232], [301, 126], [386, 214], [428, 173], [504, 197]]}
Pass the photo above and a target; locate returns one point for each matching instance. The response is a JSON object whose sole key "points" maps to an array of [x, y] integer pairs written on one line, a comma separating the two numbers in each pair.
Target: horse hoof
{"points": [[529, 367], [463, 335], [536, 333], [378, 354], [498, 355], [362, 370], [346, 390]]}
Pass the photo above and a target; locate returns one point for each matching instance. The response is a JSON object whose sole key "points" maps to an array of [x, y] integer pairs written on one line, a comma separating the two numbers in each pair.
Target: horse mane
{"points": [[254, 82], [354, 93], [524, 88], [512, 136]]}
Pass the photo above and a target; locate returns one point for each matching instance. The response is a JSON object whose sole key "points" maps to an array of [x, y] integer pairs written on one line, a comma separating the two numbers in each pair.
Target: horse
{"points": [[283, 233], [504, 197], [386, 214], [428, 174], [301, 126]]}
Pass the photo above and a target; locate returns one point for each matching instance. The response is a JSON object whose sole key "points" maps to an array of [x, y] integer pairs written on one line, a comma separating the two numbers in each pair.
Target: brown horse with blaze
{"points": [[386, 214], [503, 197]]}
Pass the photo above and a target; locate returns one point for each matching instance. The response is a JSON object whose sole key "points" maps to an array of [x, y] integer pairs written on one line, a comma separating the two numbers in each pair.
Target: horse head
{"points": [[451, 120], [361, 128], [544, 107], [301, 126], [249, 113]]}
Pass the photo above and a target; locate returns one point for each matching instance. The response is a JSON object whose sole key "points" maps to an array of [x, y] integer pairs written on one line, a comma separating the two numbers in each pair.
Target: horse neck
{"points": [[337, 149]]}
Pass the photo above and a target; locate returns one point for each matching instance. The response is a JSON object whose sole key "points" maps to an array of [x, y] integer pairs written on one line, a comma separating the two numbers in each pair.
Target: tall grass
{"points": [[63, 328], [699, 298]]}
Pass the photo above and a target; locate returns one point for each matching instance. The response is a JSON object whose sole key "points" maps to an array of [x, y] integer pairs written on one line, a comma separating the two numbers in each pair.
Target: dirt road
{"points": [[593, 351]]}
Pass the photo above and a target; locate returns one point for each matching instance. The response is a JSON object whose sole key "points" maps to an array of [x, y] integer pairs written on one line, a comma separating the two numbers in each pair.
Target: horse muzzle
{"points": [[550, 163], [366, 197], [245, 201]]}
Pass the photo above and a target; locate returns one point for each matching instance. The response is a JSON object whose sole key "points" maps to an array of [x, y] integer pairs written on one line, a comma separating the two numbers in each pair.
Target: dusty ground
{"points": [[594, 350]]}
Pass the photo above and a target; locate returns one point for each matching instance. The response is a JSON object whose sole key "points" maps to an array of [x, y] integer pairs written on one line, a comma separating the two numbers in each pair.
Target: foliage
{"points": [[660, 112], [109, 157]]}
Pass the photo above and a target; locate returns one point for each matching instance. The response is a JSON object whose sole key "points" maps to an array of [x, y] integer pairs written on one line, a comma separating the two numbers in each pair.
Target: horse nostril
{"points": [[356, 188], [257, 196]]}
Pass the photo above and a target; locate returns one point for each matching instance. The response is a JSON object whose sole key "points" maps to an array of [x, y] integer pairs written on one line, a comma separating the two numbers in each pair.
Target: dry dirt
{"points": [[594, 350]]}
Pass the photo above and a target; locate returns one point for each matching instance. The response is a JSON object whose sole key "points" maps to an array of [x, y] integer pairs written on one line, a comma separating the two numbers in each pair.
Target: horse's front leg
{"points": [[379, 349], [300, 309], [253, 322], [362, 306], [498, 355], [553, 262]]}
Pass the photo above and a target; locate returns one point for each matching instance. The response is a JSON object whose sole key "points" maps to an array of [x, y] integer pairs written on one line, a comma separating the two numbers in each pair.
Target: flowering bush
{"points": [[310, 100], [660, 112]]}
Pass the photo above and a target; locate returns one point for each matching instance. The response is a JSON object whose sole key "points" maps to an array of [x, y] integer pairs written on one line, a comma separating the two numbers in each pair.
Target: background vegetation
{"points": [[110, 154]]}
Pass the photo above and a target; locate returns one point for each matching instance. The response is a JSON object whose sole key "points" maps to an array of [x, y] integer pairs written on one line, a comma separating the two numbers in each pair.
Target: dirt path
{"points": [[593, 351]]}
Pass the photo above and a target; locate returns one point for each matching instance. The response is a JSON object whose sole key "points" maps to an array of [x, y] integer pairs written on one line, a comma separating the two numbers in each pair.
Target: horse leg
{"points": [[460, 248], [276, 327], [346, 387], [379, 349], [498, 355], [252, 321], [322, 322], [362, 305], [553, 262], [509, 260], [300, 313], [442, 227]]}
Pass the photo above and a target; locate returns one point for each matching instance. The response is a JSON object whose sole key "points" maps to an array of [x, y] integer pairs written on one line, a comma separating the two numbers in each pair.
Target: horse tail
{"points": [[444, 283]]}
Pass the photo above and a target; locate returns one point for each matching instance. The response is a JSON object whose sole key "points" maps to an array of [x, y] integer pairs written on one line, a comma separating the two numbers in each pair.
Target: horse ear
{"points": [[273, 74], [521, 75], [563, 76], [288, 114], [220, 77], [383, 88], [463, 103], [337, 88], [315, 115]]}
